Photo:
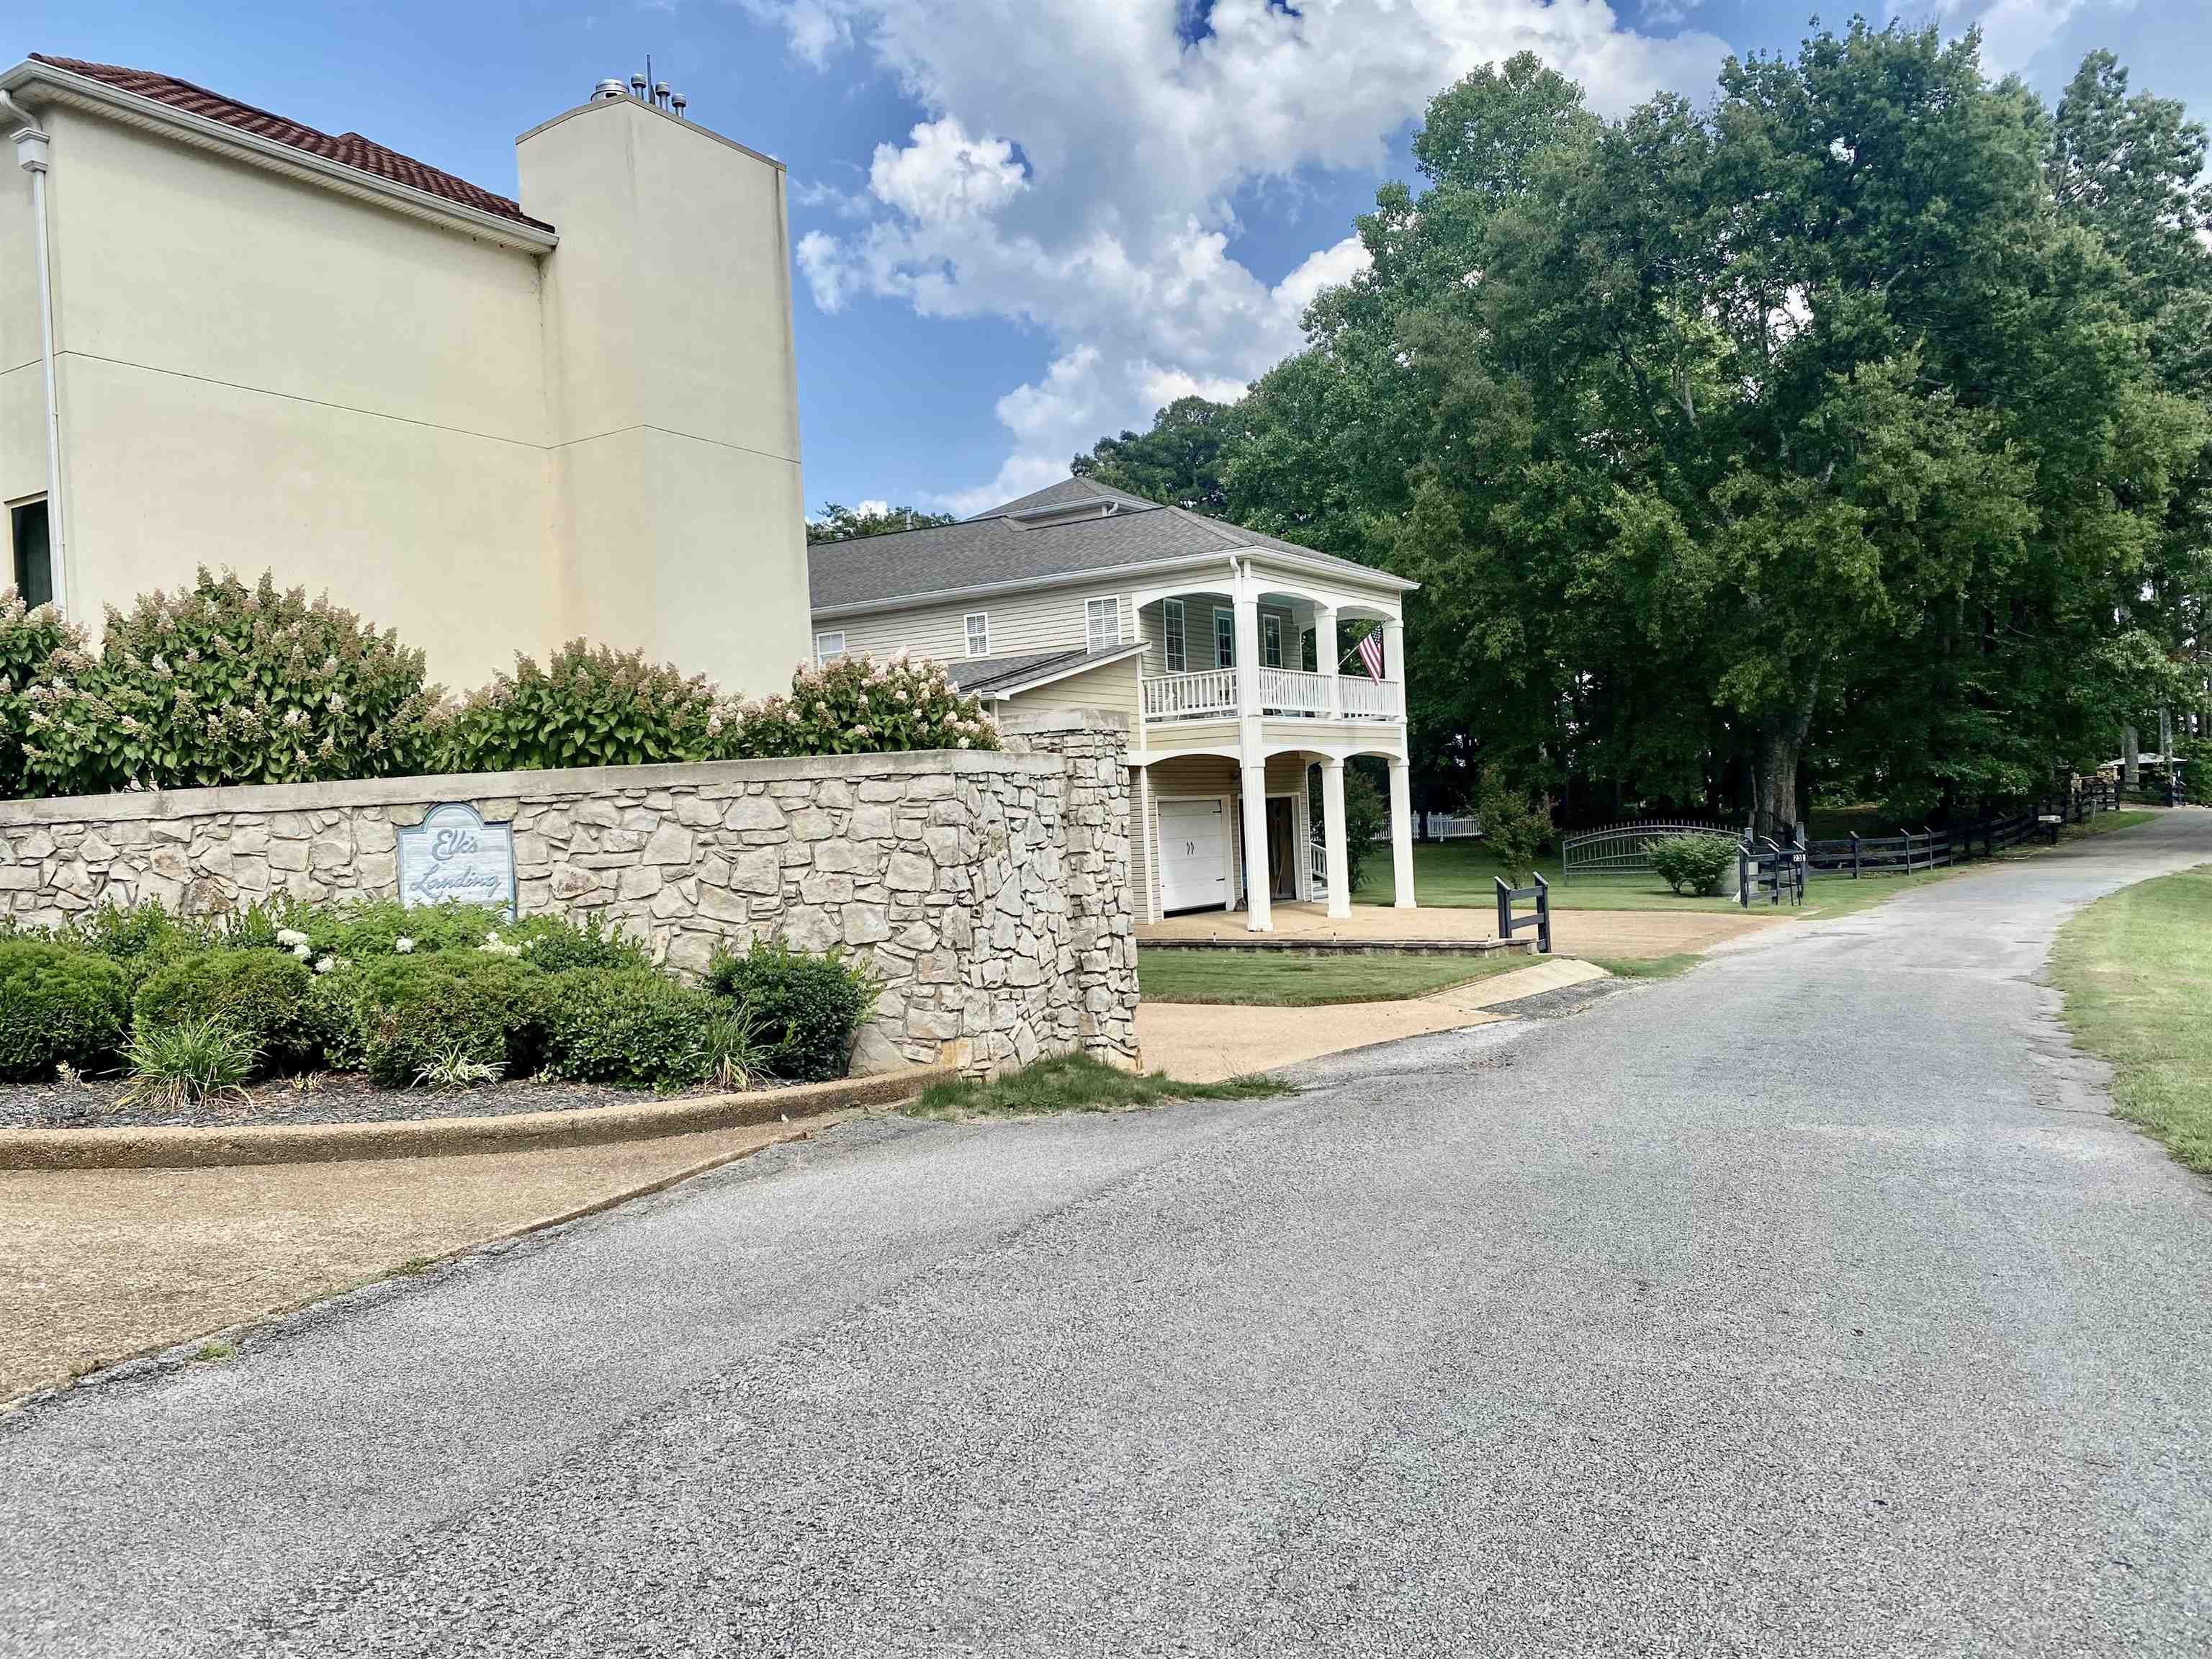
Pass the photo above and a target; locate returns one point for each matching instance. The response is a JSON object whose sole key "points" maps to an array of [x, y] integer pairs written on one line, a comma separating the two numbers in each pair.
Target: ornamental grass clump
{"points": [[183, 1065], [223, 684], [264, 995]]}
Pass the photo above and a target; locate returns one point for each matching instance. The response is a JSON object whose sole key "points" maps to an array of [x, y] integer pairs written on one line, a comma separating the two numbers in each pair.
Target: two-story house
{"points": [[1222, 647]]}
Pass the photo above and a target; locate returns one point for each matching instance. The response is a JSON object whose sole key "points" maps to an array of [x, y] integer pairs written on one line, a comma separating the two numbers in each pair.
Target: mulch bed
{"points": [[338, 1097]]}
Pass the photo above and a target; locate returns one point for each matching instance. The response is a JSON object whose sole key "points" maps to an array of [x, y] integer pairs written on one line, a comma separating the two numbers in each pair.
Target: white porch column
{"points": [[1332, 836], [1248, 648], [1325, 656], [1259, 902], [1394, 659], [1401, 832]]}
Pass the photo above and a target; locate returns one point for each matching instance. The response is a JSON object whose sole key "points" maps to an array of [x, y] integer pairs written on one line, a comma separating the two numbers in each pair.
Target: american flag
{"points": [[1371, 653]]}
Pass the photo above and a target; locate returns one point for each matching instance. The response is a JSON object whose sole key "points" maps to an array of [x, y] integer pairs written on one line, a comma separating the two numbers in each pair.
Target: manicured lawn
{"points": [[1281, 979], [1456, 874], [2136, 971], [1075, 1083]]}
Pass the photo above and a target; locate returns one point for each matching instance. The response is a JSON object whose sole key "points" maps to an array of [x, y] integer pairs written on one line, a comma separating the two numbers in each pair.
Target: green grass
{"points": [[214, 1353], [1284, 980], [1461, 874], [2136, 971], [1074, 1083], [1647, 967]]}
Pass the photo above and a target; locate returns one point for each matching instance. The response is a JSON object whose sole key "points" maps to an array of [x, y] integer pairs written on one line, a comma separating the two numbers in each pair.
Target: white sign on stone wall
{"points": [[454, 856]]}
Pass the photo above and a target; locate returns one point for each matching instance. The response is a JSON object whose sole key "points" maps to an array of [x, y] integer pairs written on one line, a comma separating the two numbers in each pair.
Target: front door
{"points": [[1282, 850]]}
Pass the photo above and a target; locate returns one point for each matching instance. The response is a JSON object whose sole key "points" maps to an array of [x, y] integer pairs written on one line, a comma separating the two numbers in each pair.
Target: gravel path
{"points": [[1811, 1303]]}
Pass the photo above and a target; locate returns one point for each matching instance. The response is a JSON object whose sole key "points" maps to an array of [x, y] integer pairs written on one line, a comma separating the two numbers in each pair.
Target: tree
{"points": [[1820, 431], [844, 524], [1176, 462]]}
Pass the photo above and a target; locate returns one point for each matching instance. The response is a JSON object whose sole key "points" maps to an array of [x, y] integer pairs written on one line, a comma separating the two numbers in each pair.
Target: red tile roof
{"points": [[347, 149]]}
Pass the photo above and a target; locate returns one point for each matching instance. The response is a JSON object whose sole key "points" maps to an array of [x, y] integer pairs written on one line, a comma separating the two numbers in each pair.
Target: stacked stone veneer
{"points": [[989, 890]]}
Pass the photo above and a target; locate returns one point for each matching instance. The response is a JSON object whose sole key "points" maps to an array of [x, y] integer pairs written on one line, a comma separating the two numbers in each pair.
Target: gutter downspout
{"points": [[31, 148]]}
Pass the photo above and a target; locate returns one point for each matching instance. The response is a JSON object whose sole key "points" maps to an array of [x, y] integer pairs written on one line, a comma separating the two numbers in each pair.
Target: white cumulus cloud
{"points": [[1080, 165]]}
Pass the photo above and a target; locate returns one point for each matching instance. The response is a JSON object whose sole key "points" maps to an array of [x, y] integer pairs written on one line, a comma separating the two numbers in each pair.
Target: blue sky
{"points": [[1022, 223]]}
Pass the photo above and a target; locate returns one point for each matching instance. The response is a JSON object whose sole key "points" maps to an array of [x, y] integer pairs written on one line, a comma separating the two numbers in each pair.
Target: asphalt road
{"points": [[1811, 1303]]}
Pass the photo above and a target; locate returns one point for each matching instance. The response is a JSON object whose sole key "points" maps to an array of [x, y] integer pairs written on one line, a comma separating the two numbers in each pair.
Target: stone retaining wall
{"points": [[989, 889]]}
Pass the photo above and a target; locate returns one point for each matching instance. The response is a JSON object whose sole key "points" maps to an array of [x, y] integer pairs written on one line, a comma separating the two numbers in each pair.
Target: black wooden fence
{"points": [[1775, 870]]}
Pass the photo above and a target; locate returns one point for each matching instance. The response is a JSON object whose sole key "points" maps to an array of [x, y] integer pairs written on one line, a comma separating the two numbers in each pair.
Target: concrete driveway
{"points": [[1811, 1303]]}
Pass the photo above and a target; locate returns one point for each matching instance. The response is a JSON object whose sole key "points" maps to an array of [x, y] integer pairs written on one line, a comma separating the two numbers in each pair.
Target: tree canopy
{"points": [[839, 523], [1850, 431]]}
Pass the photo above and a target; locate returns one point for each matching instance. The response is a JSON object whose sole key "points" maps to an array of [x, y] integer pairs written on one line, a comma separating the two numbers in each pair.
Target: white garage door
{"points": [[1194, 855]]}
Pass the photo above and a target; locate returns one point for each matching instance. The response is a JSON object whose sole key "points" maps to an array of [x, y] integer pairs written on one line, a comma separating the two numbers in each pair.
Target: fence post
{"points": [[1855, 855], [1504, 908], [1743, 876], [1543, 916]]}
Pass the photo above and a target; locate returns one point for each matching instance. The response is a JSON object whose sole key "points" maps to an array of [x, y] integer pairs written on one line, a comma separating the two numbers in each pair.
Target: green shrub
{"points": [[57, 1004], [398, 1017], [1692, 863], [29, 638], [626, 1025], [557, 944], [264, 995], [853, 707], [178, 1066], [1515, 825], [144, 937], [589, 706], [807, 1009], [222, 683]]}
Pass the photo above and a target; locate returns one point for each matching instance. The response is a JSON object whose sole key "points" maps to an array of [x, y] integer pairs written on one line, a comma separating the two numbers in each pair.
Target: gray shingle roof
{"points": [[982, 551], [992, 674]]}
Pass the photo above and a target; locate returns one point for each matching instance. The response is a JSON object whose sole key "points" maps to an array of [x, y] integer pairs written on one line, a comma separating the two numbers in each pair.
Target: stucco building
{"points": [[1224, 650], [229, 338]]}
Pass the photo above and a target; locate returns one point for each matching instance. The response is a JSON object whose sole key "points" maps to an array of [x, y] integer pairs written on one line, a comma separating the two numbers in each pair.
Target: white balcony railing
{"points": [[1208, 695], [1212, 694], [1368, 699], [1287, 691]]}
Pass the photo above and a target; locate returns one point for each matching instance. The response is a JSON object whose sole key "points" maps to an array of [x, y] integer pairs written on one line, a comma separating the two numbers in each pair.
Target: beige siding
{"points": [[1144, 847], [1113, 686], [1049, 619]]}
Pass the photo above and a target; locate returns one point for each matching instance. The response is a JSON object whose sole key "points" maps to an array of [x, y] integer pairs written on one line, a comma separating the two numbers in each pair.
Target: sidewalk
{"points": [[97, 1265], [1204, 1043]]}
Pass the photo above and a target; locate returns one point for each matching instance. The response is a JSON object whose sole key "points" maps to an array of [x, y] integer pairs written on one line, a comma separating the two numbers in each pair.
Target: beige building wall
{"points": [[489, 447], [673, 390]]}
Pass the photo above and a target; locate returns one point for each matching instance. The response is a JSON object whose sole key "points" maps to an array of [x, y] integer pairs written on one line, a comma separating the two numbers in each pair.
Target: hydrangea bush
{"points": [[858, 706], [29, 637], [589, 706], [223, 684]]}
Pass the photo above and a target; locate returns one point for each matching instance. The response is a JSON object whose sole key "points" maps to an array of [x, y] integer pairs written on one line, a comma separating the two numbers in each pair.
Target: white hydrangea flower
{"points": [[290, 938], [326, 963], [404, 945], [301, 952]]}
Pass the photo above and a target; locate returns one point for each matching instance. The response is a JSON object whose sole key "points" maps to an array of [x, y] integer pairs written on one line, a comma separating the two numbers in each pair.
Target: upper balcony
{"points": [[1215, 694]]}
